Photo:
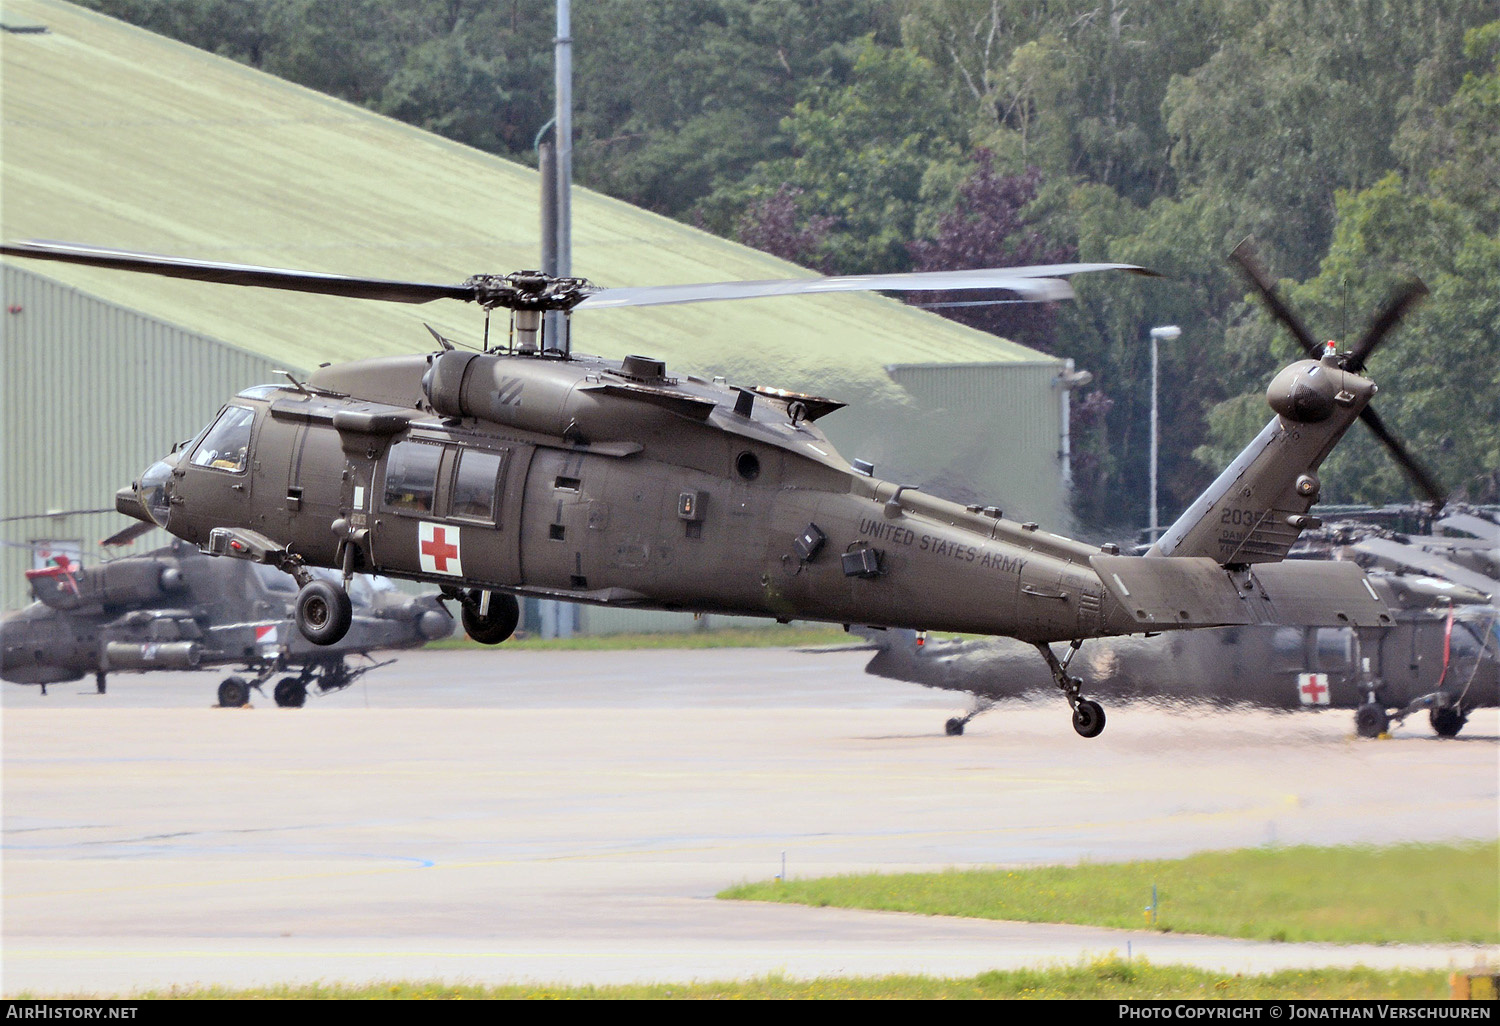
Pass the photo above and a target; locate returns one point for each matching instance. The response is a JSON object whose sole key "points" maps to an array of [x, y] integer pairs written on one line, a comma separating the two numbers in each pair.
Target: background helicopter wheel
{"points": [[1446, 720], [1088, 718], [954, 727], [323, 612], [234, 693], [1370, 720], [290, 693], [504, 615]]}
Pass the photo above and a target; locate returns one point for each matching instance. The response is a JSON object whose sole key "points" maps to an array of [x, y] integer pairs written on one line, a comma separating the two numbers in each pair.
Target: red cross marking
{"points": [[439, 549], [1314, 689]]}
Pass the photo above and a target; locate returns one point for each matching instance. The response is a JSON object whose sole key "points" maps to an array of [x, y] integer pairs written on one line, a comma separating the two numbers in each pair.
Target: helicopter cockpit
{"points": [[226, 446]]}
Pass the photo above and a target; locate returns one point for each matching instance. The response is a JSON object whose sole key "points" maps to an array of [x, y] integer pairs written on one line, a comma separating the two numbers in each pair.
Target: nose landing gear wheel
{"points": [[290, 693], [1088, 718], [234, 693], [323, 612]]}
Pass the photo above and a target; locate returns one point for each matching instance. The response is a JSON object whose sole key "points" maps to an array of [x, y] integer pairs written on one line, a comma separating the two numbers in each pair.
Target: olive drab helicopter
{"points": [[527, 469]]}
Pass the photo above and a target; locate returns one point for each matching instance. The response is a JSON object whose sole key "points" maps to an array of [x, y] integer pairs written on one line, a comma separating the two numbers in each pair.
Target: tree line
{"points": [[1356, 144]]}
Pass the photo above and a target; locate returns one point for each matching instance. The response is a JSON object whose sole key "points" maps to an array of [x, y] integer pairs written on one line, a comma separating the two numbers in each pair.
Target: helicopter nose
{"points": [[149, 495]]}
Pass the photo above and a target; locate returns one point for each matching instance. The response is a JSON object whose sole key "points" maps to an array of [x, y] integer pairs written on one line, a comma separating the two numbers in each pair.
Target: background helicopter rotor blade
{"points": [[1408, 295], [240, 274], [1036, 284], [1244, 256], [1420, 476], [126, 535]]}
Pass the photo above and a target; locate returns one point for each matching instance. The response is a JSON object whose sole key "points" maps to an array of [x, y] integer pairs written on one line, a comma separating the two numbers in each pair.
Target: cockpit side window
{"points": [[411, 472], [227, 444]]}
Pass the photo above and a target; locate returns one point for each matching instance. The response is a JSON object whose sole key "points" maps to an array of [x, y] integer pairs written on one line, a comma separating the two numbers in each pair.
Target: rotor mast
{"points": [[562, 182]]}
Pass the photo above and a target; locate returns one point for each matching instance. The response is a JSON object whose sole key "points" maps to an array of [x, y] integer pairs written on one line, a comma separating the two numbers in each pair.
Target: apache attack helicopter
{"points": [[527, 469], [176, 608]]}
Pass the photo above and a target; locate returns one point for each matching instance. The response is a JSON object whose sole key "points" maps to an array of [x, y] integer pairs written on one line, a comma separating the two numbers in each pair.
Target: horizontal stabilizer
{"points": [[1195, 591]]}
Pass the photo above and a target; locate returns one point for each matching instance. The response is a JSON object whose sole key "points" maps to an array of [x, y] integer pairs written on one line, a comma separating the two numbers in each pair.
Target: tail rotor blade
{"points": [[1419, 475], [1405, 298], [1244, 256]]}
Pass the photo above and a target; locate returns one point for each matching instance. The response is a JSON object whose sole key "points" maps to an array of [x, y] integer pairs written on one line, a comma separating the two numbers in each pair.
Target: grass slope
{"points": [[1410, 894]]}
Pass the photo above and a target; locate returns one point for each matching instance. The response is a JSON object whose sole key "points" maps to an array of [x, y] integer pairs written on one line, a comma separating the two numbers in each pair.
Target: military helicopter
{"points": [[177, 608], [527, 469], [1441, 656]]}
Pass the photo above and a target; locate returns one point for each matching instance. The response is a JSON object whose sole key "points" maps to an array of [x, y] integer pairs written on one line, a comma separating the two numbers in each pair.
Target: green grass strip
{"points": [[1404, 894], [1106, 978]]}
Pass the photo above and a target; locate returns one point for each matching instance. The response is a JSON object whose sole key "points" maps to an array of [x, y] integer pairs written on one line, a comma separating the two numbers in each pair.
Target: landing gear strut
{"points": [[1088, 716]]}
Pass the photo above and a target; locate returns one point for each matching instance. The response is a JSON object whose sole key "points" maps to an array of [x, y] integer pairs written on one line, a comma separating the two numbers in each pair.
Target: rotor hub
{"points": [[529, 290]]}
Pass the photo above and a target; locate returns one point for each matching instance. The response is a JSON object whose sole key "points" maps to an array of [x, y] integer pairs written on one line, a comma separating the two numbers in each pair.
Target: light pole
{"points": [[1165, 333]]}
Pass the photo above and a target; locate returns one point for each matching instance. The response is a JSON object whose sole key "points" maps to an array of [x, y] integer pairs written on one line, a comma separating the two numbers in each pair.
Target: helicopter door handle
{"points": [[238, 487]]}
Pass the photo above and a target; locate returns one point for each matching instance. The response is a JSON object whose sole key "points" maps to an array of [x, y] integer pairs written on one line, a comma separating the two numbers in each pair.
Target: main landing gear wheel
{"points": [[234, 693], [1370, 720], [954, 727], [323, 612], [497, 623], [1088, 718], [290, 693], [1446, 720]]}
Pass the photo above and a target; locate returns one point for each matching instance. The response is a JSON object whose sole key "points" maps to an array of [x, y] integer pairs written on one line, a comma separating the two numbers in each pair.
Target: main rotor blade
{"points": [[239, 274], [1038, 284], [1418, 474], [1407, 296], [1244, 255]]}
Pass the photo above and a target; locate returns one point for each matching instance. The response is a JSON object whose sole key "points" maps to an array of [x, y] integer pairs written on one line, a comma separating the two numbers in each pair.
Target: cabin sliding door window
{"points": [[475, 484]]}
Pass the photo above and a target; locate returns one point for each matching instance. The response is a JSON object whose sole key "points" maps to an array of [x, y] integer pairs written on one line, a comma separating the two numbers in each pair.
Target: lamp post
{"points": [[1165, 333]]}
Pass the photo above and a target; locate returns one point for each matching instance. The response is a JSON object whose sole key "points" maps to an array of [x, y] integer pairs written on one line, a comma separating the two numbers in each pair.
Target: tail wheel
{"points": [[323, 612], [234, 693], [496, 625], [1088, 718]]}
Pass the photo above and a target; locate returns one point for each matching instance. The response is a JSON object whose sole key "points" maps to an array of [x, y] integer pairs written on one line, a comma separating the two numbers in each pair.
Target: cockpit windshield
{"points": [[227, 444]]}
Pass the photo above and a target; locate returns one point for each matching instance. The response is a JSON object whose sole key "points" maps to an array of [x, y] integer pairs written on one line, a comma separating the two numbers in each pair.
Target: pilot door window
{"points": [[227, 444], [411, 473]]}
